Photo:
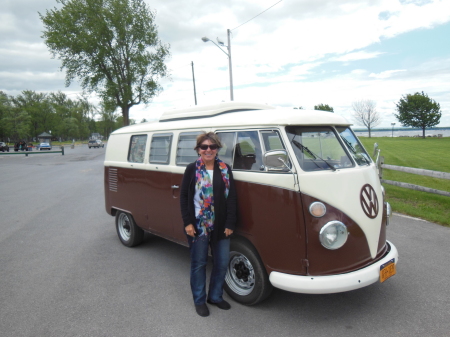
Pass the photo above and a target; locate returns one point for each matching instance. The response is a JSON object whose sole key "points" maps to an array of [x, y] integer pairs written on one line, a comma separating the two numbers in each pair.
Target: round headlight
{"points": [[333, 235], [317, 209]]}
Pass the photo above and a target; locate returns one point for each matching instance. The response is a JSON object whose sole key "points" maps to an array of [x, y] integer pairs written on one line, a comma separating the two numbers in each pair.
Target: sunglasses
{"points": [[205, 147]]}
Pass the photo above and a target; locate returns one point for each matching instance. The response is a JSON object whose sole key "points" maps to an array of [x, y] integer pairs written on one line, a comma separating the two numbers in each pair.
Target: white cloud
{"points": [[386, 74], [359, 55]]}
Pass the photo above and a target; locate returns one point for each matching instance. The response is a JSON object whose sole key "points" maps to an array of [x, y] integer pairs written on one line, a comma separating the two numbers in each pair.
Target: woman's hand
{"points": [[228, 232], [190, 230]]}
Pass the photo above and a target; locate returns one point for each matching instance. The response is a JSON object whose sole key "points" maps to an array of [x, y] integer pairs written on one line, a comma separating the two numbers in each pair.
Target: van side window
{"points": [[160, 148], [226, 152], [272, 140], [185, 149], [137, 149], [247, 152]]}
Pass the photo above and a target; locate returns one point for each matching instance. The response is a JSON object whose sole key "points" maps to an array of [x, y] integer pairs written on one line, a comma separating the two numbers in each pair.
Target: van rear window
{"points": [[160, 148], [137, 148]]}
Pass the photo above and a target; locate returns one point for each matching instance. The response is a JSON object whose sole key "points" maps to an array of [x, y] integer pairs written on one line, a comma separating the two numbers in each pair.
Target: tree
{"points": [[38, 107], [418, 111], [18, 124], [107, 122], [365, 113], [5, 107], [111, 46], [323, 107]]}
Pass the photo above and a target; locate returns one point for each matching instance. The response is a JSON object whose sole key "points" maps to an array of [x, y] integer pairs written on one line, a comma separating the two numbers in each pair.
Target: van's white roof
{"points": [[235, 114]]}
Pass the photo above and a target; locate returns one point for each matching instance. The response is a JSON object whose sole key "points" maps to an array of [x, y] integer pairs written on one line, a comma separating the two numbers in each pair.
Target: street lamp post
{"points": [[393, 124], [193, 80], [220, 43]]}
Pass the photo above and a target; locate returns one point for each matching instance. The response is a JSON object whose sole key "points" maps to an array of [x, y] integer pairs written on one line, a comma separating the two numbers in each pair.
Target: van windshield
{"points": [[354, 146], [317, 148]]}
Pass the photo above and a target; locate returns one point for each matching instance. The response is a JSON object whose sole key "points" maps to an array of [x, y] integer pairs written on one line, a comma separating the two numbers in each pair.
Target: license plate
{"points": [[387, 270]]}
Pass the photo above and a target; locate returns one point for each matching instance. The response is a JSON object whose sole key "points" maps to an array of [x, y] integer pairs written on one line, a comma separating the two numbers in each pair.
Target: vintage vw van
{"points": [[312, 214]]}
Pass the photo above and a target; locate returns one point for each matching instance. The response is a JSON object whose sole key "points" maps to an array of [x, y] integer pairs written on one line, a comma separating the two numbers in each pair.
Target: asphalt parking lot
{"points": [[64, 272]]}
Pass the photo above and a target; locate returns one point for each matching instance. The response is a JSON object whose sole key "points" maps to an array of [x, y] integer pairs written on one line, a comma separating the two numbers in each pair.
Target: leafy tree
{"points": [[418, 111], [70, 129], [18, 124], [5, 107], [323, 107], [300, 107], [365, 113], [108, 122], [38, 107], [111, 46]]}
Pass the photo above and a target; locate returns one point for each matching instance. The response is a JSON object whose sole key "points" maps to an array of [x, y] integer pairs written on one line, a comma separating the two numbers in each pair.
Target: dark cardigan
{"points": [[225, 209]]}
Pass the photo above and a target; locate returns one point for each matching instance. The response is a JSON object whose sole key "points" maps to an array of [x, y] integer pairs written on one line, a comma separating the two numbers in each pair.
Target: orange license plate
{"points": [[387, 270]]}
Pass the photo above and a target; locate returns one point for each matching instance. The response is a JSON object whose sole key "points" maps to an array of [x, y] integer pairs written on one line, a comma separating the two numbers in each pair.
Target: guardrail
{"points": [[429, 173], [26, 153]]}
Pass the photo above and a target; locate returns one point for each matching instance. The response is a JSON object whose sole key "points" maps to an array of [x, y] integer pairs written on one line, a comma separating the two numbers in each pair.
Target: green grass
{"points": [[428, 153]]}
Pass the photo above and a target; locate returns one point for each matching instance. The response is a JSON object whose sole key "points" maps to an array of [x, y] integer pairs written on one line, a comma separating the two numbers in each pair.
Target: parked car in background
{"points": [[96, 143], [45, 146], [29, 146], [4, 147]]}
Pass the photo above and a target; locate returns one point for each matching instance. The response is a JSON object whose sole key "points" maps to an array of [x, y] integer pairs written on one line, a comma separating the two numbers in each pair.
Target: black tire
{"points": [[129, 233], [246, 280]]}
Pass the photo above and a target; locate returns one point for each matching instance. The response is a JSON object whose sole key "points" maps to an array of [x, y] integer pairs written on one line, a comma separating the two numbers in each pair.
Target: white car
{"points": [[95, 143], [45, 146]]}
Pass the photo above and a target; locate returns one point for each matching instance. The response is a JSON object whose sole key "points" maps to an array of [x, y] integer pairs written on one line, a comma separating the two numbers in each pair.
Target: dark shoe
{"points": [[202, 310], [221, 305]]}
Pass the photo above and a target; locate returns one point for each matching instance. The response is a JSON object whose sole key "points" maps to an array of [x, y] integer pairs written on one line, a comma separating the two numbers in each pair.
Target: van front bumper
{"points": [[333, 283]]}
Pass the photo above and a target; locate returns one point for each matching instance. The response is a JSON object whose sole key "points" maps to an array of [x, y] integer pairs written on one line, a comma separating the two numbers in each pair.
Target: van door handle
{"points": [[175, 186]]}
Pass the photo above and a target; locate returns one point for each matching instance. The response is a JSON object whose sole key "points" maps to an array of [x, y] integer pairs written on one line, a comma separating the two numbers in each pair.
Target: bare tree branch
{"points": [[365, 113]]}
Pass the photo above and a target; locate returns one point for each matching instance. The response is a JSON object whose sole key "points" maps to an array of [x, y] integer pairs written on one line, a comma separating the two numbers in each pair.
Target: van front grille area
{"points": [[112, 179]]}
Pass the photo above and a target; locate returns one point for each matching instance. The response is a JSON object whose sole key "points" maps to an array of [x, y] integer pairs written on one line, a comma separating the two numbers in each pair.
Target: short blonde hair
{"points": [[211, 136]]}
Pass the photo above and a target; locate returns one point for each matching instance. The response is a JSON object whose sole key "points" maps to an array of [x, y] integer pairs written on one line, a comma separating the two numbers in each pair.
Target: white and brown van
{"points": [[312, 214]]}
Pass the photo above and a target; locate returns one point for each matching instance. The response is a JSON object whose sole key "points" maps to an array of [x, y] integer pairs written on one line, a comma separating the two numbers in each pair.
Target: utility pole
{"points": [[229, 61], [193, 80]]}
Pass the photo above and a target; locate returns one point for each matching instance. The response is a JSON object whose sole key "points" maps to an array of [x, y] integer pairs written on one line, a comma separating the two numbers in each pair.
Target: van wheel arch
{"points": [[129, 233], [246, 280]]}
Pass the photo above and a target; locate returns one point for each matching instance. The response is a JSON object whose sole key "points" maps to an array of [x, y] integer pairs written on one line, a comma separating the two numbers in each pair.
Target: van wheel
{"points": [[129, 233], [246, 280]]}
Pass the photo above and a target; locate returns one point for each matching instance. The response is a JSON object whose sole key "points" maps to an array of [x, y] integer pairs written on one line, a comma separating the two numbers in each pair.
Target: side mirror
{"points": [[276, 160]]}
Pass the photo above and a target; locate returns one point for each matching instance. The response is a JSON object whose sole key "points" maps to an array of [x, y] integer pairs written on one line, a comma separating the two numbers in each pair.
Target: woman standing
{"points": [[208, 208]]}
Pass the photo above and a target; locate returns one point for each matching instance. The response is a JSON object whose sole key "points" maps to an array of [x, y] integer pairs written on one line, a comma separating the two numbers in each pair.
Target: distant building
{"points": [[45, 137]]}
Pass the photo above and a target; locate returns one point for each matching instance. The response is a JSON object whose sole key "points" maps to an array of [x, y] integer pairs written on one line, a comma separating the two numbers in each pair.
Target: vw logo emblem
{"points": [[369, 201]]}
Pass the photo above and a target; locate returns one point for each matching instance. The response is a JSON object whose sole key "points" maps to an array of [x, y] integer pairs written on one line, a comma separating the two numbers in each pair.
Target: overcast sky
{"points": [[297, 53]]}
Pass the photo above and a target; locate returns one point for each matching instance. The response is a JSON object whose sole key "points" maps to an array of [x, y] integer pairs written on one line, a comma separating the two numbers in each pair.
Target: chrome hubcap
{"points": [[240, 274], [124, 226]]}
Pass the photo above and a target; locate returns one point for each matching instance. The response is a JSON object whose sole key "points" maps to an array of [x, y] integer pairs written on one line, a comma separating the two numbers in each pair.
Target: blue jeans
{"points": [[199, 258]]}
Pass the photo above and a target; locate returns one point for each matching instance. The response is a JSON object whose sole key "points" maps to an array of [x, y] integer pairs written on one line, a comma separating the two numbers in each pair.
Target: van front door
{"points": [[270, 212]]}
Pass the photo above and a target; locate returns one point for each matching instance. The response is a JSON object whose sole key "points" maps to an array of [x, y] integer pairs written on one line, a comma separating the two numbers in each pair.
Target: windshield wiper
{"points": [[353, 150], [349, 145], [315, 156]]}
